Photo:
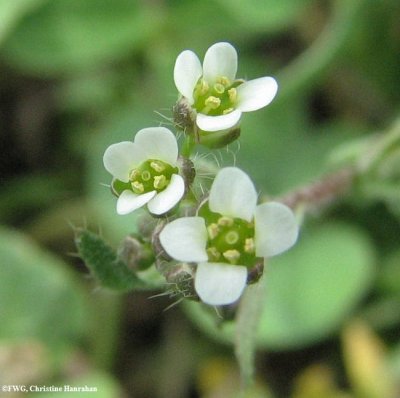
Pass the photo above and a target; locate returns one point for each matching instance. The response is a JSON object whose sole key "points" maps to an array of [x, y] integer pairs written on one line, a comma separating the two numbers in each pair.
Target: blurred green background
{"points": [[78, 75]]}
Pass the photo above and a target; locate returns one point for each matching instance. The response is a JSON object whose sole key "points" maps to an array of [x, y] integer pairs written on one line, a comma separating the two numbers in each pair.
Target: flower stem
{"points": [[322, 192], [187, 146]]}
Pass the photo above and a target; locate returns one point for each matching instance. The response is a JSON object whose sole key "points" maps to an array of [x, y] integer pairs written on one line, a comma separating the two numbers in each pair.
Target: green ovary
{"points": [[151, 175], [215, 99], [230, 240]]}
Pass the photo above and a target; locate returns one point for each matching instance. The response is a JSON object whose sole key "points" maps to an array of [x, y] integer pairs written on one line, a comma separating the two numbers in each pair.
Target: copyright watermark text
{"points": [[18, 388]]}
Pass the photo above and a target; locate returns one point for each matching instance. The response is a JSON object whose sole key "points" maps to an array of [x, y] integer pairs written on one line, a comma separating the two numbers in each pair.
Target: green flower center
{"points": [[151, 175], [217, 99], [230, 240]]}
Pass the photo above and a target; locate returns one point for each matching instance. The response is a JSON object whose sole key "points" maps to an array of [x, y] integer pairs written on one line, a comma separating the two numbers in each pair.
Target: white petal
{"points": [[185, 239], [129, 201], [256, 94], [119, 159], [167, 199], [233, 194], [276, 229], [220, 284], [158, 143], [217, 123], [187, 72], [220, 60]]}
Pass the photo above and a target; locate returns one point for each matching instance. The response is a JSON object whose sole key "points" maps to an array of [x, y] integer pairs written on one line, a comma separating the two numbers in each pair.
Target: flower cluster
{"points": [[230, 236]]}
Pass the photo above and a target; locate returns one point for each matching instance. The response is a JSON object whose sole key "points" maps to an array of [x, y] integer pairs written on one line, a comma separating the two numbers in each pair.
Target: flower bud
{"points": [[218, 139], [135, 253], [184, 116], [181, 280]]}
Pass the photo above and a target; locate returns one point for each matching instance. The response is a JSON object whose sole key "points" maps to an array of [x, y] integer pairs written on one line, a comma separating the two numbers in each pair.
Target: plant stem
{"points": [[321, 192]]}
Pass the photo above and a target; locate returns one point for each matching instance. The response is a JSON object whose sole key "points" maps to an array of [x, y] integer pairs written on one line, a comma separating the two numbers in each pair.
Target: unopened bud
{"points": [[181, 280], [184, 116], [137, 255], [219, 139]]}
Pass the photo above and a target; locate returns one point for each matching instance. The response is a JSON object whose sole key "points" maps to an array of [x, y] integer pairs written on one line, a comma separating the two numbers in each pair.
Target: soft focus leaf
{"points": [[315, 285], [11, 11], [310, 289], [38, 298], [65, 36], [261, 15]]}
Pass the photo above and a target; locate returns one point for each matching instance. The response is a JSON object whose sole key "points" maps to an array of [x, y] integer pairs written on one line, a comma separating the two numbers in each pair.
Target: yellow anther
{"points": [[249, 246], [134, 174], [213, 254], [203, 87], [157, 166], [231, 237], [226, 111], [224, 81], [225, 221], [137, 187], [231, 255], [212, 102], [213, 230], [219, 88], [232, 93], [146, 175], [160, 182]]}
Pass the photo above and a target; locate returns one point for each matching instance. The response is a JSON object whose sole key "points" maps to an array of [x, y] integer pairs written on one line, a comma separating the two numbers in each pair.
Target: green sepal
{"points": [[103, 262], [118, 186]]}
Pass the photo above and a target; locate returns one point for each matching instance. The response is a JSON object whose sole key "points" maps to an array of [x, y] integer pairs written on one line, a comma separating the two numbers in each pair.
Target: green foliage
{"points": [[66, 36], [103, 262], [39, 299], [310, 290]]}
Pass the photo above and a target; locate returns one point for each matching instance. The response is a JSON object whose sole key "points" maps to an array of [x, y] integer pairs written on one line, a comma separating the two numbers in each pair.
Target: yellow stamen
{"points": [[231, 255], [134, 174], [212, 102], [249, 246], [225, 221], [226, 111], [137, 187], [213, 230], [232, 92], [224, 81], [203, 87], [213, 254], [157, 166], [160, 182]]}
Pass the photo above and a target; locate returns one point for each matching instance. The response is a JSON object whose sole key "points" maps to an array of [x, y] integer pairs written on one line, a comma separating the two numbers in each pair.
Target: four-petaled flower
{"points": [[230, 235], [213, 90], [145, 171]]}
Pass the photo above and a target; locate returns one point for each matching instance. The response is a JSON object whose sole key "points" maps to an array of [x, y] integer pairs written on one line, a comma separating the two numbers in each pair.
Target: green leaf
{"points": [[11, 11], [39, 299], [310, 291], [105, 265], [261, 15], [68, 35], [314, 286]]}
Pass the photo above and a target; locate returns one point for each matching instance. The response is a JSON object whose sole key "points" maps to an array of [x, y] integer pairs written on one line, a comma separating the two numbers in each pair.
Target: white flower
{"points": [[229, 236], [145, 171], [212, 90]]}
